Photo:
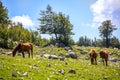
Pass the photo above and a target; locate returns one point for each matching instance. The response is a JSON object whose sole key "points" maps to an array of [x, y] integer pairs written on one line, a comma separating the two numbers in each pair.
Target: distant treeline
{"points": [[51, 23]]}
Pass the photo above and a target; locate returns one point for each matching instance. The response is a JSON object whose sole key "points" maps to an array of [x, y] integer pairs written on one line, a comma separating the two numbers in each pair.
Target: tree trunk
{"points": [[56, 36], [107, 42]]}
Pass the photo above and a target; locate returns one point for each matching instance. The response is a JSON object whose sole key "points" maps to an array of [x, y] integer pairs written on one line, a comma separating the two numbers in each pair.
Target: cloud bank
{"points": [[24, 19], [106, 10]]}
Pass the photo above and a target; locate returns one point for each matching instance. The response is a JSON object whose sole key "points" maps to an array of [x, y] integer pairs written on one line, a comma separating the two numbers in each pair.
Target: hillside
{"points": [[40, 68]]}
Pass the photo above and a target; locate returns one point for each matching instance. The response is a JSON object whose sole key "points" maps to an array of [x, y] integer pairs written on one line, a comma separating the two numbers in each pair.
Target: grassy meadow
{"points": [[39, 68]]}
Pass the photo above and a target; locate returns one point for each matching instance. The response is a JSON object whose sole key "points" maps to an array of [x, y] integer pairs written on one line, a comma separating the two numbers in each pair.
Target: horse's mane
{"points": [[92, 51], [17, 48]]}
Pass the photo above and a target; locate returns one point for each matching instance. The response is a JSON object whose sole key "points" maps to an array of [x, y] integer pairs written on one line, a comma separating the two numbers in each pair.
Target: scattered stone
{"points": [[61, 71], [53, 57], [50, 56], [9, 53], [72, 71], [62, 58], [87, 58], [114, 60], [71, 54], [106, 77], [46, 55], [67, 48], [1, 78], [34, 66], [19, 54], [48, 65], [3, 53], [83, 52], [26, 74], [66, 63], [14, 73]]}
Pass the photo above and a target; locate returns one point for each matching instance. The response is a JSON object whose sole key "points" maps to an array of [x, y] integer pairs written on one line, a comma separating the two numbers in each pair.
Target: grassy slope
{"points": [[19, 68]]}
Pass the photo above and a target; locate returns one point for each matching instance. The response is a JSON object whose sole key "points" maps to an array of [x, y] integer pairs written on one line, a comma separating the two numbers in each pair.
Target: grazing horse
{"points": [[93, 56], [104, 56], [23, 47]]}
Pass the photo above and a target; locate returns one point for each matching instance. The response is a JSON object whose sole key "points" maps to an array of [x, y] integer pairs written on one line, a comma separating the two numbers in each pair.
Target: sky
{"points": [[85, 15]]}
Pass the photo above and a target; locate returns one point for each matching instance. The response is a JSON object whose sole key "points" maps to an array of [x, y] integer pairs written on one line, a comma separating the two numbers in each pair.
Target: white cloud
{"points": [[106, 9], [24, 19]]}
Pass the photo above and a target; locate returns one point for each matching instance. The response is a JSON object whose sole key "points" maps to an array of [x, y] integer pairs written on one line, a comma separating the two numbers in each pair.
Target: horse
{"points": [[23, 47], [104, 56], [93, 56]]}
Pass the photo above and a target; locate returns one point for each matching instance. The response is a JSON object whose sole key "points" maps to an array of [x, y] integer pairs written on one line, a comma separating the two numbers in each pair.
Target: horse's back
{"points": [[26, 46]]}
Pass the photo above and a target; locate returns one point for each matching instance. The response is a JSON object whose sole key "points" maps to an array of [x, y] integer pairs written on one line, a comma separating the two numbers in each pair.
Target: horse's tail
{"points": [[31, 50]]}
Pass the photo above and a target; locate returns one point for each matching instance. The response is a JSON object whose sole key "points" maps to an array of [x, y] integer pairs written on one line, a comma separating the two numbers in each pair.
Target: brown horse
{"points": [[104, 56], [23, 47], [93, 56]]}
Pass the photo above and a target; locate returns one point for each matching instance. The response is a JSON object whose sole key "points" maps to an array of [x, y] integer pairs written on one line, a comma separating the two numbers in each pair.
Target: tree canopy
{"points": [[57, 24], [106, 29], [3, 15]]}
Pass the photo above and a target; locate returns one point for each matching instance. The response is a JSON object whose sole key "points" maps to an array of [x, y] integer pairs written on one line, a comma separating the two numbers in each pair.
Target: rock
{"points": [[3, 52], [67, 48], [62, 58], [87, 58], [106, 77], [72, 71], [83, 52], [61, 71], [1, 78], [48, 65], [53, 57], [50, 56], [100, 60], [19, 54], [72, 55], [14, 73], [26, 74], [66, 63], [114, 60], [46, 55], [34, 66], [70, 51]]}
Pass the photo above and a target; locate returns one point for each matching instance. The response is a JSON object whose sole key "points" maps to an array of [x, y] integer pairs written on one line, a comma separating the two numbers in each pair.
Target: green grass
{"points": [[18, 68]]}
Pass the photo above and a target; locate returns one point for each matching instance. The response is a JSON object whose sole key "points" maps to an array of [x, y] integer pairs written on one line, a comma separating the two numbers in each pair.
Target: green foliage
{"points": [[84, 41], [3, 15], [4, 37], [57, 24], [115, 42], [17, 33], [106, 30]]}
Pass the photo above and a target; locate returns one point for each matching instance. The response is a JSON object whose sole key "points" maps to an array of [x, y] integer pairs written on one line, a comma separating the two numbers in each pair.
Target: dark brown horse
{"points": [[93, 56], [23, 47], [104, 56]]}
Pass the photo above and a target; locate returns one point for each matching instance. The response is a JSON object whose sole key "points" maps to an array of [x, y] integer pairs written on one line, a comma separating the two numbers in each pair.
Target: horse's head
{"points": [[15, 50]]}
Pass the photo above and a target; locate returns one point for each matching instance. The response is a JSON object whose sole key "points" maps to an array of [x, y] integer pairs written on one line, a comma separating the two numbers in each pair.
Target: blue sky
{"points": [[85, 15]]}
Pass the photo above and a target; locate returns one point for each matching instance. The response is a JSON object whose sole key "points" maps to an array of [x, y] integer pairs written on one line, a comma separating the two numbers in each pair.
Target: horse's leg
{"points": [[29, 54], [32, 53], [23, 54], [103, 61], [106, 62], [95, 61], [92, 60]]}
